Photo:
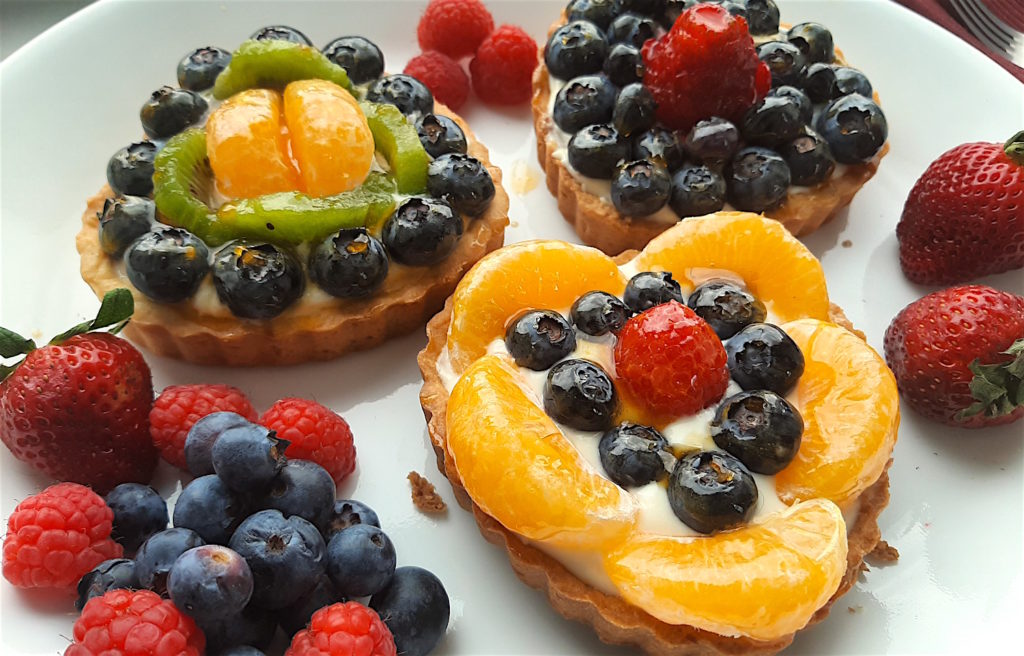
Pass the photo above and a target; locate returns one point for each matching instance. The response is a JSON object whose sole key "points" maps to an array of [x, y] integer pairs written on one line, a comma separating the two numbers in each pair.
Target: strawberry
{"points": [[958, 356], [964, 217], [77, 409]]}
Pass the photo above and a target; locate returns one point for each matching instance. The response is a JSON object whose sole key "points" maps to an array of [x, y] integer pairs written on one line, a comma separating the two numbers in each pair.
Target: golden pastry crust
{"points": [[614, 620], [309, 330], [600, 225]]}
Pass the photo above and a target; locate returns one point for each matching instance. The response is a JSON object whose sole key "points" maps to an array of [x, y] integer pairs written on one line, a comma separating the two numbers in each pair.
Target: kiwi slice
{"points": [[397, 139], [176, 177], [273, 64]]}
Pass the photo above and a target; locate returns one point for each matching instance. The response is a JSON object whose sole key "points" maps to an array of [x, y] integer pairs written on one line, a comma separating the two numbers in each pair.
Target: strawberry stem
{"points": [[997, 388], [1014, 148]]}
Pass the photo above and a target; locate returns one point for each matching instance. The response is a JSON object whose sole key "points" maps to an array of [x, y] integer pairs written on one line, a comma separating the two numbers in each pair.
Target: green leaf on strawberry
{"points": [[12, 344], [998, 388]]}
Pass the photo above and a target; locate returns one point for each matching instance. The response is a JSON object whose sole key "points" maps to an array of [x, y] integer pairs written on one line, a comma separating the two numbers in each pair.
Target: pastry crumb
{"points": [[847, 243], [854, 609], [884, 553], [425, 496]]}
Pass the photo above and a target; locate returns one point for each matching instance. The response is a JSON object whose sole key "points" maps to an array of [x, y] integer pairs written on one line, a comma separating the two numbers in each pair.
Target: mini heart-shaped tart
{"points": [[564, 393]]}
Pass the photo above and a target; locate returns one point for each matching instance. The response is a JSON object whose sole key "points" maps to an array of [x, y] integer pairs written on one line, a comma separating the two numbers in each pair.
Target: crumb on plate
{"points": [[425, 496]]}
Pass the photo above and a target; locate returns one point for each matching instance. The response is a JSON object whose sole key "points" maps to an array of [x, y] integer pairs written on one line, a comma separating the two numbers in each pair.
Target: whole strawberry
{"points": [[958, 356], [964, 217], [77, 409]]}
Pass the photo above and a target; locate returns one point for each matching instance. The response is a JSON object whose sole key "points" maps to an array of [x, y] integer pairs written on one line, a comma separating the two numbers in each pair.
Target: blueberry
{"points": [[598, 12], [760, 428], [281, 33], [641, 188], [763, 357], [248, 457], [440, 135], [809, 158], [580, 394], [734, 7], [243, 650], [819, 82], [403, 91], [360, 57], [155, 557], [785, 61], [296, 617], [633, 455], [673, 10], [139, 512], [632, 29], [758, 180], [200, 438], [415, 608], [463, 181], [116, 574], [360, 560], [257, 280], [210, 508], [349, 512], [772, 121], [850, 80], [713, 141], [287, 556], [726, 306], [538, 339], [854, 127], [421, 232], [711, 491], [634, 110], [583, 101], [130, 170], [762, 17], [697, 190], [799, 97], [302, 488], [645, 7], [210, 581], [596, 150], [349, 264], [659, 145], [244, 633], [199, 69], [649, 288], [599, 313], [576, 48], [814, 41], [624, 64], [169, 111], [123, 220], [167, 264]]}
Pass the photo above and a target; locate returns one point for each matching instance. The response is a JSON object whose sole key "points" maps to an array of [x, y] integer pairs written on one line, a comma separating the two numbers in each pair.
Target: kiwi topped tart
{"points": [[290, 204]]}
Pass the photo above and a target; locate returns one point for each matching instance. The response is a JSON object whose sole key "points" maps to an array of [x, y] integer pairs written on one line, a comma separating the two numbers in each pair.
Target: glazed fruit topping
{"points": [[169, 111], [422, 231], [649, 288], [539, 338], [711, 491], [713, 141], [809, 159], [814, 41], [167, 264], [758, 179], [726, 307], [576, 48], [784, 60], [598, 12], [854, 127], [281, 33], [596, 150], [198, 70], [760, 428], [773, 121], [634, 110], [405, 92], [583, 101], [360, 57], [462, 181], [123, 220], [763, 356], [661, 146], [130, 170], [633, 455], [272, 64], [697, 190], [581, 395], [641, 188], [257, 280], [850, 80], [349, 264], [631, 29], [624, 64], [598, 313], [762, 17], [440, 135]]}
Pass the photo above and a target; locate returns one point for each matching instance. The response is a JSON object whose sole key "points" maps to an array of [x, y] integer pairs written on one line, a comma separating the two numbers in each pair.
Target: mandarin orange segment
{"points": [[537, 274], [330, 137], [764, 580], [520, 469], [847, 397], [774, 265], [248, 146]]}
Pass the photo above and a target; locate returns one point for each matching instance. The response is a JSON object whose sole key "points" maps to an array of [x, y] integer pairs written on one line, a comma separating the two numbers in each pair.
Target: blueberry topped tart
{"points": [[289, 204], [648, 112]]}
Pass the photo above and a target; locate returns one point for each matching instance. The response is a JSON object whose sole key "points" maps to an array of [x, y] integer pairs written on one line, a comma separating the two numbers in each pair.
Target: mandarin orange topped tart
{"points": [[647, 112], [685, 447], [290, 205]]}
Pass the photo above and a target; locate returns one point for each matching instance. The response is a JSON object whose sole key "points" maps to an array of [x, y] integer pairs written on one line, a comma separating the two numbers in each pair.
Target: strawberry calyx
{"points": [[115, 311], [998, 388], [1014, 148]]}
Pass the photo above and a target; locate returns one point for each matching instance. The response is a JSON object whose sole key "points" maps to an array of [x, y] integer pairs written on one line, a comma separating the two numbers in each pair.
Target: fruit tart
{"points": [[647, 112], [685, 447], [290, 205]]}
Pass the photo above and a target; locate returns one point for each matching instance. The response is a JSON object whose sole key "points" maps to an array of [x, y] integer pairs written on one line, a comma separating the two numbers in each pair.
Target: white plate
{"points": [[71, 98]]}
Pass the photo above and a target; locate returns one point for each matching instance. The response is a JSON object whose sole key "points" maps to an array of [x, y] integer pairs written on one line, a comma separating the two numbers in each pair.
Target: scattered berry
{"points": [[297, 616], [763, 357], [503, 67], [344, 629], [634, 455], [210, 581], [454, 27], [248, 457], [442, 75], [205, 431], [56, 537], [360, 560], [156, 556], [253, 627], [538, 339], [349, 512], [177, 410], [139, 512], [210, 508], [139, 622], [760, 428], [649, 288], [415, 608], [315, 433], [114, 574], [302, 488], [580, 394], [711, 491]]}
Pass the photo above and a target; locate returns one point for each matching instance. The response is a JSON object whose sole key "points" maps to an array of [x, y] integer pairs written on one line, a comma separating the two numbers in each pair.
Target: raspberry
{"points": [[348, 629], [671, 361], [442, 75], [126, 623], [454, 27], [57, 536], [705, 66], [180, 406], [503, 67], [316, 433]]}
